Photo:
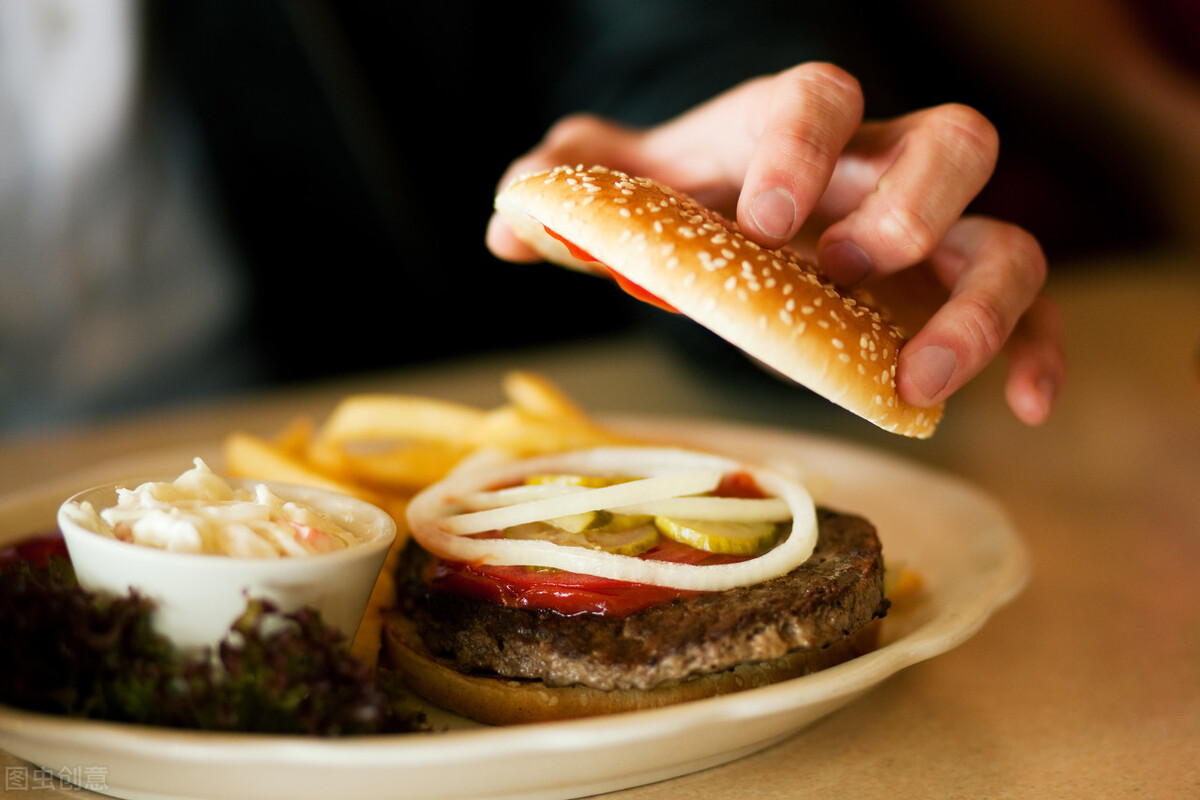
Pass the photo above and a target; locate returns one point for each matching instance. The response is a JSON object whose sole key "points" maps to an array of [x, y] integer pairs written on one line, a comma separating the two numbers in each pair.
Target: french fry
{"points": [[327, 457], [379, 445], [514, 429], [394, 442], [535, 395], [398, 418], [248, 456], [404, 468], [294, 438]]}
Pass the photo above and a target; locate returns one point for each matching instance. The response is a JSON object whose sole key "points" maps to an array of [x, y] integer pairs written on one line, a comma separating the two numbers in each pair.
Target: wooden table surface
{"points": [[1087, 685]]}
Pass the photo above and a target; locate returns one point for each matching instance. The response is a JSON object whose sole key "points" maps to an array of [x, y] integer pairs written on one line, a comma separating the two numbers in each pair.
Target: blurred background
{"points": [[198, 197]]}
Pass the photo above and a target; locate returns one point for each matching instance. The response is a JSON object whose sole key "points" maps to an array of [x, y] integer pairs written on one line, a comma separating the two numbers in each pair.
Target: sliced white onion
{"points": [[626, 493], [715, 509], [430, 511], [478, 501]]}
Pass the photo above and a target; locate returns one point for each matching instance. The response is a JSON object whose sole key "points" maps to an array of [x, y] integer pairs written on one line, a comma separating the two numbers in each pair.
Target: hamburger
{"points": [[602, 581], [663, 247], [623, 578]]}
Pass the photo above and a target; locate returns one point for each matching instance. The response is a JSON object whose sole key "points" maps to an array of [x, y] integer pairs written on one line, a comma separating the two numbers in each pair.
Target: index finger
{"points": [[811, 115]]}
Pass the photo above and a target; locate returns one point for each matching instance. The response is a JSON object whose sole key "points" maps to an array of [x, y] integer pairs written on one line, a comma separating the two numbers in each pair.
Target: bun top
{"points": [[772, 304]]}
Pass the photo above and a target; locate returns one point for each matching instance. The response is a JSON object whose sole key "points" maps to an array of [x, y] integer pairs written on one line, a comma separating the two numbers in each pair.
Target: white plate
{"points": [[957, 538]]}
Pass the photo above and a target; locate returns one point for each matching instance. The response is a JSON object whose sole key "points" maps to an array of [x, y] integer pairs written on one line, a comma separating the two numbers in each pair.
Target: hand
{"points": [[790, 157]]}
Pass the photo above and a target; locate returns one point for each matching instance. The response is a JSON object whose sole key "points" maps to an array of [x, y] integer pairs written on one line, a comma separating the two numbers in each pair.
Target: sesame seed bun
{"points": [[772, 304]]}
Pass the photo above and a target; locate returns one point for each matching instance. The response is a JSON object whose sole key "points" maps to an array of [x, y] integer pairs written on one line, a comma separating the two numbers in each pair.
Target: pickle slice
{"points": [[587, 481], [575, 523], [628, 541], [609, 522], [726, 538]]}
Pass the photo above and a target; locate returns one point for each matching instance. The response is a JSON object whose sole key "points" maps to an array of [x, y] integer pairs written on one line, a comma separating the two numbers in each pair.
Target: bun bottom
{"points": [[507, 701]]}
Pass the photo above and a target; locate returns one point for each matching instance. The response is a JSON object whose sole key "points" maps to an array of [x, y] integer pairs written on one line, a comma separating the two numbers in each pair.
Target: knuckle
{"points": [[1029, 256], [907, 233], [569, 130], [983, 324], [967, 133], [1026, 262], [826, 86], [968, 123], [830, 75]]}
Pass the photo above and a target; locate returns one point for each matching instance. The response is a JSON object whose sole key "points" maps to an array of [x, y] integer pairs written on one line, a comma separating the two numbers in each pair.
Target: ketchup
{"points": [[628, 286], [567, 593]]}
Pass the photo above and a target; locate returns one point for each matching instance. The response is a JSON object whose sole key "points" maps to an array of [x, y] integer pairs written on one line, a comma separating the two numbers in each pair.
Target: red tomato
{"points": [[567, 592], [628, 286]]}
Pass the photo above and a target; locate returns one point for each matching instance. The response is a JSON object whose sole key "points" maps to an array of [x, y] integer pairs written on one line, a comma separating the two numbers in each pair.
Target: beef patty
{"points": [[819, 604]]}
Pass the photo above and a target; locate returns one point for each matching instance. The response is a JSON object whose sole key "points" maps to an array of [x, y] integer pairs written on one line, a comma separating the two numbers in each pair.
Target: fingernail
{"points": [[774, 212], [1047, 395], [1033, 406], [930, 369], [845, 263]]}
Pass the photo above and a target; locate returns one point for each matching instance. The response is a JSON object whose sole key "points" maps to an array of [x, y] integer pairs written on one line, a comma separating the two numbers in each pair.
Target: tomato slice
{"points": [[628, 286], [567, 593]]}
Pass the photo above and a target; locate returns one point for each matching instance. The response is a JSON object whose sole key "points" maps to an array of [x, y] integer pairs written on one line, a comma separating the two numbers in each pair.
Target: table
{"points": [[1087, 685]]}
